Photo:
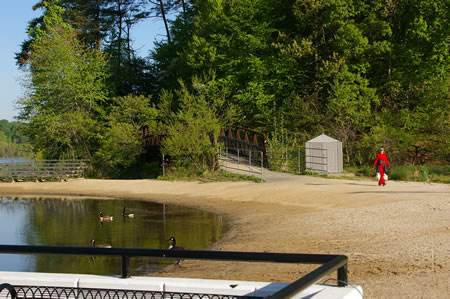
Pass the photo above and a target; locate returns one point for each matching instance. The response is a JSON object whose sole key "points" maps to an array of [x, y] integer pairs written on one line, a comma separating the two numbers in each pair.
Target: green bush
{"points": [[365, 171], [192, 130], [399, 173], [422, 173]]}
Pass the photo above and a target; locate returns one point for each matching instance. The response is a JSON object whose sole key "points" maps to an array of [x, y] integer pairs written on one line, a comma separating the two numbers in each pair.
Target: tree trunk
{"points": [[119, 37], [98, 34], [184, 9], [163, 14]]}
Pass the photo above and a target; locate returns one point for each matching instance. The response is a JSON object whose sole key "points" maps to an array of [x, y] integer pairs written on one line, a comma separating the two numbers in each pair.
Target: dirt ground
{"points": [[397, 237]]}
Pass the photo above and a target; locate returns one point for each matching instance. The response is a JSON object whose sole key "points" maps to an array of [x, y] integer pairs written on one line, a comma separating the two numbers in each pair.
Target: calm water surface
{"points": [[14, 159], [74, 222]]}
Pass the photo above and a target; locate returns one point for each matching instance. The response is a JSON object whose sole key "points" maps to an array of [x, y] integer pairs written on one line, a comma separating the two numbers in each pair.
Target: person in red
{"points": [[381, 163]]}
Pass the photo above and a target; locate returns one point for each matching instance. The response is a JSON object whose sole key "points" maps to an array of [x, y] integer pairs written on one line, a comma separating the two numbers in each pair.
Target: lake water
{"points": [[75, 222], [14, 159]]}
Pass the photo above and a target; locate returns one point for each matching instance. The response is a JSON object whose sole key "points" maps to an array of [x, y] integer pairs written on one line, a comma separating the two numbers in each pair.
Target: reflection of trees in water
{"points": [[74, 222]]}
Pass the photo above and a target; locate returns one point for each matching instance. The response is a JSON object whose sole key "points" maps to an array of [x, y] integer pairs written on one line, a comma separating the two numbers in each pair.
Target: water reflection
{"points": [[75, 222]]}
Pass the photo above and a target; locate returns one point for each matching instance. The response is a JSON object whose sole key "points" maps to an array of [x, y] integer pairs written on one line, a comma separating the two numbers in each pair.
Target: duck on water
{"points": [[105, 218], [126, 214], [100, 245]]}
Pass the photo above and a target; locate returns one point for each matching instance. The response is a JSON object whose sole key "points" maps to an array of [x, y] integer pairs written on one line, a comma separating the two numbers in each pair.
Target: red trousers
{"points": [[381, 169]]}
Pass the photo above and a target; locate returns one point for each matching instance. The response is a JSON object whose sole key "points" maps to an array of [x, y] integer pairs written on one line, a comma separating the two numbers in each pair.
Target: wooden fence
{"points": [[42, 170]]}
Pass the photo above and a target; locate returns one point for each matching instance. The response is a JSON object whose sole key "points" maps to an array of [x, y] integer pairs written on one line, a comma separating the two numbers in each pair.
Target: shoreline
{"points": [[397, 237]]}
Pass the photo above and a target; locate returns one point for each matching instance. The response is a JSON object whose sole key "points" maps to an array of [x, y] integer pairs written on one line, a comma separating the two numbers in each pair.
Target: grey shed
{"points": [[324, 154]]}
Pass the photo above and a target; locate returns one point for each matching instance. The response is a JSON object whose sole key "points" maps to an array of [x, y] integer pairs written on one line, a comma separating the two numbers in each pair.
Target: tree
{"points": [[233, 39], [65, 89], [193, 129], [350, 108], [121, 143], [122, 15], [85, 16]]}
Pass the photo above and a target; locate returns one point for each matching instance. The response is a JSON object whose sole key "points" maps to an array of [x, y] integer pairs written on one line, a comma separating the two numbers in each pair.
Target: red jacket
{"points": [[380, 159]]}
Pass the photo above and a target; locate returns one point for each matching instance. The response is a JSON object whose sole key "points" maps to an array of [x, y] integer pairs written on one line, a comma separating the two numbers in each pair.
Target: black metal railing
{"points": [[329, 263], [34, 292]]}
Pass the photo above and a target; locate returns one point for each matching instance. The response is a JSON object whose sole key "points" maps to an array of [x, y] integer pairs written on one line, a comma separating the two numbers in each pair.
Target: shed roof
{"points": [[323, 138]]}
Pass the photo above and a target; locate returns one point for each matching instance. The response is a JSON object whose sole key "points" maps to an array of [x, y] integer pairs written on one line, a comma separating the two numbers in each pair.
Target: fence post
{"points": [[249, 162], [239, 163], [125, 266], [299, 166], [9, 173], [163, 165], [262, 161], [226, 158], [342, 279], [219, 160], [287, 160]]}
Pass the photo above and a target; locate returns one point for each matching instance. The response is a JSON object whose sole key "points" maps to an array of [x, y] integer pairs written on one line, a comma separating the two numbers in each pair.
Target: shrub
{"points": [[193, 129]]}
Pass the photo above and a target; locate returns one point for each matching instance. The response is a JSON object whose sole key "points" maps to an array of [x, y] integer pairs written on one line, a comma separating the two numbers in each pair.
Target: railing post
{"points": [[125, 266], [219, 161], [249, 162], [287, 160], [226, 158], [342, 278], [239, 162], [262, 163], [299, 165], [10, 173]]}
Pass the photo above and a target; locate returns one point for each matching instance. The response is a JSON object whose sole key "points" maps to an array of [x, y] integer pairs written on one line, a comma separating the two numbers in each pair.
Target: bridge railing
{"points": [[43, 169], [328, 263], [242, 161]]}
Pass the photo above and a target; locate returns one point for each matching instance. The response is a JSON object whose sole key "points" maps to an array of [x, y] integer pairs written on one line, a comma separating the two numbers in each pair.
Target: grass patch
{"points": [[420, 173], [315, 173], [206, 176]]}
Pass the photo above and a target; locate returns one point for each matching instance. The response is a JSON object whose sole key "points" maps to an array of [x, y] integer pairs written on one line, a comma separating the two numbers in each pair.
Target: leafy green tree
{"points": [[232, 38], [193, 129], [350, 107], [122, 144], [13, 142], [65, 90]]}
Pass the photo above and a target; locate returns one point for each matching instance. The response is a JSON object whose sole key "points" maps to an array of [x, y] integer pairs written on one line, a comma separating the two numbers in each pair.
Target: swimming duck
{"points": [[105, 218], [100, 245], [174, 246], [125, 214]]}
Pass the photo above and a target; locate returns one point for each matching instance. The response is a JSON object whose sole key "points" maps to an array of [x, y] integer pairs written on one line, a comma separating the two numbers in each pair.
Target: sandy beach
{"points": [[397, 237]]}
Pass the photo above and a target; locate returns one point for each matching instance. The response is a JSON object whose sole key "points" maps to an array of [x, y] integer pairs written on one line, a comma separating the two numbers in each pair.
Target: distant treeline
{"points": [[13, 142], [368, 73]]}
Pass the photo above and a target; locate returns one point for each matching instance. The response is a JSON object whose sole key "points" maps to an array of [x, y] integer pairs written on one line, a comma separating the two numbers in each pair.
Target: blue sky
{"points": [[14, 17]]}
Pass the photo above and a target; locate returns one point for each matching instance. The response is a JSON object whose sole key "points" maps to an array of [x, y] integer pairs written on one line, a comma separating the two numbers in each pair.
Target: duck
{"points": [[100, 245], [105, 218], [174, 246], [125, 214]]}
